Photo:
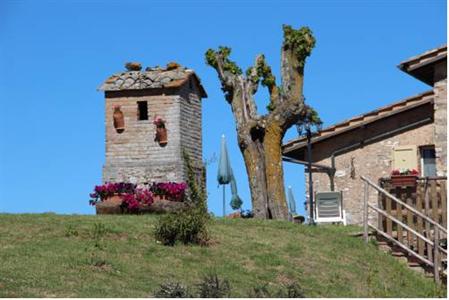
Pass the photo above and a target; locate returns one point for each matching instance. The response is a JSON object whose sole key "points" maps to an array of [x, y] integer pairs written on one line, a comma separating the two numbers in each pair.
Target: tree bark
{"points": [[274, 172], [255, 168]]}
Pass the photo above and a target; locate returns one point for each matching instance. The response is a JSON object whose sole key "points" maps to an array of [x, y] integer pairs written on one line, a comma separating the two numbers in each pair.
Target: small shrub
{"points": [[172, 290], [187, 227], [291, 291], [190, 225], [288, 291], [260, 291], [213, 287]]}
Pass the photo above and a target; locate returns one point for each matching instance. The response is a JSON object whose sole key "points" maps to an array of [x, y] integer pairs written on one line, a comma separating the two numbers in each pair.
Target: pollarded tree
{"points": [[260, 136]]}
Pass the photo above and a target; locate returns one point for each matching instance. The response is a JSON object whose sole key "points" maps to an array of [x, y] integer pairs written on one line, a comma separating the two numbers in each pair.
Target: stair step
{"points": [[382, 243], [414, 264]]}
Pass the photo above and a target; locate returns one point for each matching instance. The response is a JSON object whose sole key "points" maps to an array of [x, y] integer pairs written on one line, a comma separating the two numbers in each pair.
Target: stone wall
{"points": [[191, 123], [373, 160], [440, 104], [134, 155]]}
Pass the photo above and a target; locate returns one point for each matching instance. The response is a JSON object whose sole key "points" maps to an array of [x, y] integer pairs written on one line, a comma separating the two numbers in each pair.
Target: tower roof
{"points": [[172, 76]]}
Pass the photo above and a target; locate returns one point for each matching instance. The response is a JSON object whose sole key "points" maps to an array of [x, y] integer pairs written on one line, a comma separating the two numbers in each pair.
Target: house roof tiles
{"points": [[363, 119]]}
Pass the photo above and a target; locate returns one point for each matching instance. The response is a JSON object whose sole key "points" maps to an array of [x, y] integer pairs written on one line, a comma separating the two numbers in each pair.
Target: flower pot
{"points": [[114, 200], [163, 206], [403, 180], [161, 135], [111, 205], [119, 120], [108, 208]]}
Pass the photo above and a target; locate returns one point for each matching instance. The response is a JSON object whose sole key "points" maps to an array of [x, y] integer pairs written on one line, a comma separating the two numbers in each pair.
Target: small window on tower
{"points": [[143, 110]]}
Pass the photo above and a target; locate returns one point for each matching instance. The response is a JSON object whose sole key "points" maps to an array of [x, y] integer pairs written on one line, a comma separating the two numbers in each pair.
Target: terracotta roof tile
{"points": [[151, 78], [360, 120]]}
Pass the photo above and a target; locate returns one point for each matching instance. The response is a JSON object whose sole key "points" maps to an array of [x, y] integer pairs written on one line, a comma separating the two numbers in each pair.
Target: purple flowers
{"points": [[132, 196], [172, 190], [110, 189]]}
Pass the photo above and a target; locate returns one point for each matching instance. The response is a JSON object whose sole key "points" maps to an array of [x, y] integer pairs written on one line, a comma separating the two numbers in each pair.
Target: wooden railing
{"points": [[413, 219]]}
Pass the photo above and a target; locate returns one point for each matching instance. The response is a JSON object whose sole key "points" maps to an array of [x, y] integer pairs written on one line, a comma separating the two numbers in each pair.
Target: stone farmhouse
{"points": [[150, 117], [409, 134]]}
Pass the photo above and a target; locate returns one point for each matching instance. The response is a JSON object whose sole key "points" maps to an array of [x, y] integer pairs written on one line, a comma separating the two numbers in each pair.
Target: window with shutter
{"points": [[405, 157]]}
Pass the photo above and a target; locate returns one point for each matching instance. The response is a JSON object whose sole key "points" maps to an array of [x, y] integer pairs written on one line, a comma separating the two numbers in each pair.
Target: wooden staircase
{"points": [[411, 224], [412, 262]]}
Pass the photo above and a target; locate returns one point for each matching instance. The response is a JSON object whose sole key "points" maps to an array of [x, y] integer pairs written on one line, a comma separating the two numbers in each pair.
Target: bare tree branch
{"points": [[297, 46]]}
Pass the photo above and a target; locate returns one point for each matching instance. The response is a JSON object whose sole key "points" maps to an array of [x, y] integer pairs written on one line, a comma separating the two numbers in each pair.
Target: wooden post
{"points": [[443, 202], [365, 214], [436, 256], [427, 224], [409, 200], [434, 199], [419, 227], [400, 194], [388, 221], [381, 205]]}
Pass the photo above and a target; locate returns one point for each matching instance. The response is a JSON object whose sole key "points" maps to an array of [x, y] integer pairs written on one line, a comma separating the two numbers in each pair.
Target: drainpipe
{"points": [[342, 150]]}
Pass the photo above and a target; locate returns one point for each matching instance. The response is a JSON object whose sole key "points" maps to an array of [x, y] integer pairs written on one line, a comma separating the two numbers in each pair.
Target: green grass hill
{"points": [[48, 255]]}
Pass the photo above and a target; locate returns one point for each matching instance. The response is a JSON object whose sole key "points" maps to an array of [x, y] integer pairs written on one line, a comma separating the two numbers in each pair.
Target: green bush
{"points": [[213, 287], [187, 227], [288, 291], [173, 290]]}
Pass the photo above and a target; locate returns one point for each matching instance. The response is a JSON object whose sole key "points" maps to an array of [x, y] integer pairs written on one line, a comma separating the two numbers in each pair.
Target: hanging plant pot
{"points": [[403, 180], [161, 135], [161, 131], [119, 119]]}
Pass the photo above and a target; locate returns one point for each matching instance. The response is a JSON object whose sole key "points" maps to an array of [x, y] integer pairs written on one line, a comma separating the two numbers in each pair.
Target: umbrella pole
{"points": [[224, 197]]}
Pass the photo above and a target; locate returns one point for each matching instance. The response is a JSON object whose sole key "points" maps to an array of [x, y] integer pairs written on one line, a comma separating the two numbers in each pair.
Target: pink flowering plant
{"points": [[158, 120], [133, 197], [171, 190], [109, 189], [140, 197], [402, 172]]}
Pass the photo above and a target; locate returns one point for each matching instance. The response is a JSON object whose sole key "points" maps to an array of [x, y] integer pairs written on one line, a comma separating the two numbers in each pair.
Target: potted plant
{"points": [[119, 119], [110, 196], [170, 191], [404, 177], [161, 131], [118, 198]]}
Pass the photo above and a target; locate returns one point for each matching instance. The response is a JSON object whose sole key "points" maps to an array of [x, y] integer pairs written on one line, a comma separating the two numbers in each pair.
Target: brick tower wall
{"points": [[134, 156]]}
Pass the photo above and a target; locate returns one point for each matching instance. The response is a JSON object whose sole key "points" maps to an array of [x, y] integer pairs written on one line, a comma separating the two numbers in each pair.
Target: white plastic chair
{"points": [[329, 208]]}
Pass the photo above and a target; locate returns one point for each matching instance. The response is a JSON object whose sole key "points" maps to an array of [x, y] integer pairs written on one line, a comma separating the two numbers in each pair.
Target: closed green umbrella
{"points": [[236, 202], [224, 175], [291, 201]]}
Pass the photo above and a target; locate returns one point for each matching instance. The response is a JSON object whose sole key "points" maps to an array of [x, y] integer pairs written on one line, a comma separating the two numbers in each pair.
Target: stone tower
{"points": [[140, 149]]}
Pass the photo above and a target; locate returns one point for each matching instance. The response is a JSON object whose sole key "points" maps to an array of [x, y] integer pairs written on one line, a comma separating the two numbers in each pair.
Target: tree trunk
{"points": [[255, 168], [274, 172]]}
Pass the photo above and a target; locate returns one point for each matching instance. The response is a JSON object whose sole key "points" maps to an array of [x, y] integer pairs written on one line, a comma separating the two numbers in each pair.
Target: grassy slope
{"points": [[51, 255]]}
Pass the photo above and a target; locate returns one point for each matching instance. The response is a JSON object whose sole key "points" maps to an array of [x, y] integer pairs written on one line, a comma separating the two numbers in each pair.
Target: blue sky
{"points": [[54, 54]]}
